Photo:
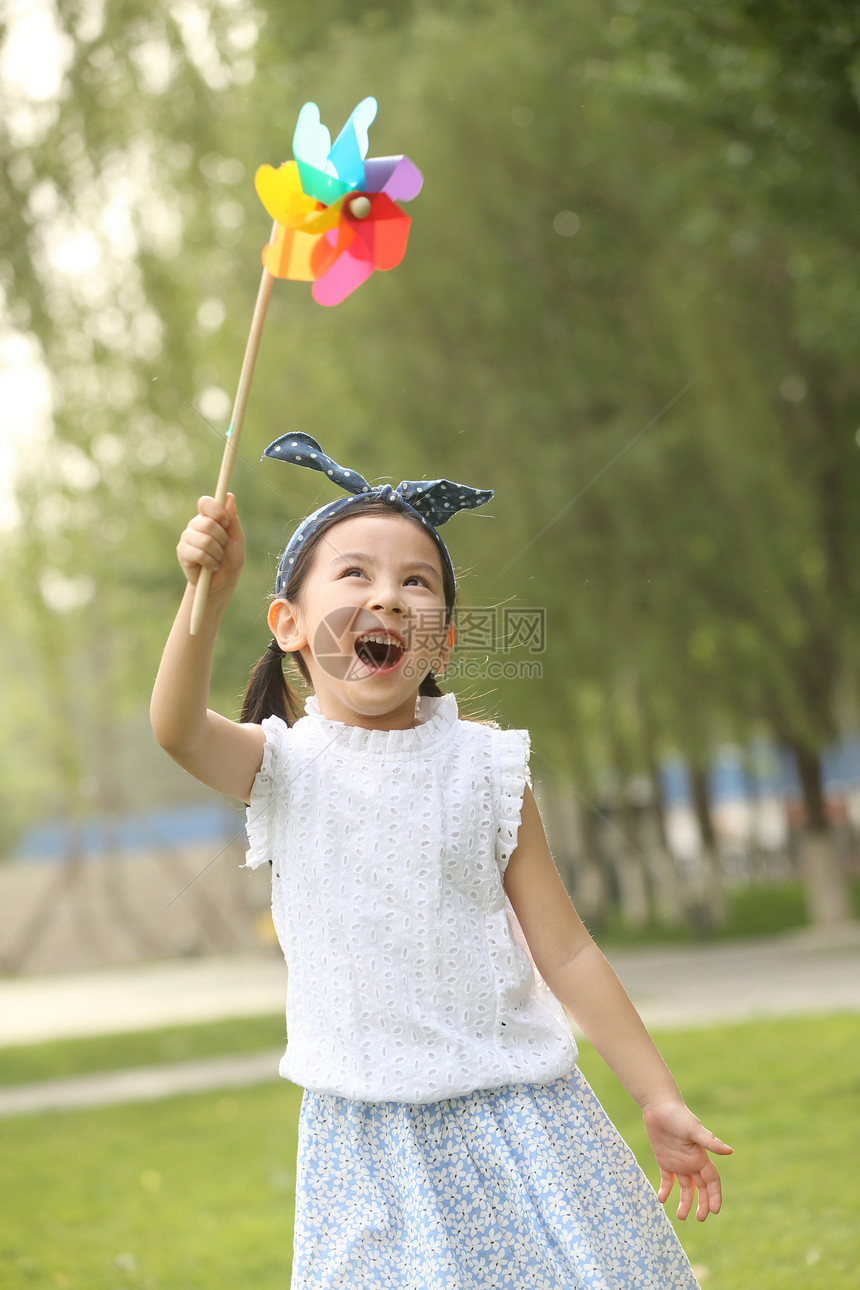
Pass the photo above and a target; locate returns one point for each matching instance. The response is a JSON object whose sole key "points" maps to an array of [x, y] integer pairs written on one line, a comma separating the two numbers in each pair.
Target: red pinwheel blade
{"points": [[383, 233]]}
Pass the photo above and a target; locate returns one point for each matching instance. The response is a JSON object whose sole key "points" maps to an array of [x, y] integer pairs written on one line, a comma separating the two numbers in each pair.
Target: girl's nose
{"points": [[386, 600]]}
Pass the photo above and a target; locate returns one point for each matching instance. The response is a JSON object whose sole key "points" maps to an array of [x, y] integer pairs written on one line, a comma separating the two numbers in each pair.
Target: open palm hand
{"points": [[681, 1144]]}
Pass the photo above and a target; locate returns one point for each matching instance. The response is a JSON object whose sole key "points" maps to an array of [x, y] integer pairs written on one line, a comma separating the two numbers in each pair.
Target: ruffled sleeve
{"points": [[259, 817], [513, 762]]}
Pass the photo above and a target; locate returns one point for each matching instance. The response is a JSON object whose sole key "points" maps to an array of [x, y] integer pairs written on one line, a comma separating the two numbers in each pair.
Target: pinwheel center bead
{"points": [[359, 207]]}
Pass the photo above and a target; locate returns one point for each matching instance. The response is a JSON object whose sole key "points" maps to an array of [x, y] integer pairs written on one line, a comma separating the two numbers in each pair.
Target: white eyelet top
{"points": [[409, 978]]}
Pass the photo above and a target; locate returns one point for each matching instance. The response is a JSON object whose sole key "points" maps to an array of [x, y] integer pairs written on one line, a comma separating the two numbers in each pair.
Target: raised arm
{"points": [[219, 752], [579, 975]]}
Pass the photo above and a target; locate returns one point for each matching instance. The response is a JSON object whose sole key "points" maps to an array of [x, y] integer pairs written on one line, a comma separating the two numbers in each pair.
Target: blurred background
{"points": [[630, 305]]}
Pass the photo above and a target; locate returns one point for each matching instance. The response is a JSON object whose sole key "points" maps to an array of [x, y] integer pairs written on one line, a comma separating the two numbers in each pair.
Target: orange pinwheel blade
{"points": [[302, 257]]}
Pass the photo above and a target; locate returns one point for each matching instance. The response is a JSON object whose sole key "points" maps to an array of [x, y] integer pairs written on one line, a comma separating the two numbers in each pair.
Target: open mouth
{"points": [[379, 651]]}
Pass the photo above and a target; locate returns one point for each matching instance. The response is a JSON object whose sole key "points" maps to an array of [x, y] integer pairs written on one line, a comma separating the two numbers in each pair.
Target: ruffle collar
{"points": [[435, 716]]}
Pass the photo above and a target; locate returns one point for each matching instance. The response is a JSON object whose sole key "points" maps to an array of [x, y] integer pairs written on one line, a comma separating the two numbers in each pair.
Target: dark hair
{"points": [[269, 693]]}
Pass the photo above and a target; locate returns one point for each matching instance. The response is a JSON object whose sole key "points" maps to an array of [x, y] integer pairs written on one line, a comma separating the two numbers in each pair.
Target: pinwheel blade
{"points": [[299, 256], [397, 177], [345, 275], [350, 147]]}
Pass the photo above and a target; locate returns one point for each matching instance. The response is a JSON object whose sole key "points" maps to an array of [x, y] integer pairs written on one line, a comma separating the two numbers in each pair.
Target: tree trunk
{"points": [[629, 871], [672, 907], [713, 909], [577, 864], [596, 878], [828, 897]]}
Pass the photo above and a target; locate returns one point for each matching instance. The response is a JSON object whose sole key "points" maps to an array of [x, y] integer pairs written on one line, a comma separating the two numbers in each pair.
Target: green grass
{"points": [[760, 909], [194, 1193], [63, 1058], [197, 1191], [786, 1096]]}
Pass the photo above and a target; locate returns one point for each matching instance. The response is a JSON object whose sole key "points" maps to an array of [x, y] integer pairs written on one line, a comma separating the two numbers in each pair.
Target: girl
{"points": [[446, 1137]]}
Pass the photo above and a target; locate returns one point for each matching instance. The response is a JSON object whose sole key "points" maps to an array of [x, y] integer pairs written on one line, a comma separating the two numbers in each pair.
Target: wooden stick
{"points": [[201, 591]]}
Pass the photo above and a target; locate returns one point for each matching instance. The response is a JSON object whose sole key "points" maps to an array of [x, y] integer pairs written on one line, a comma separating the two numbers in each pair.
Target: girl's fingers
{"points": [[714, 1198], [688, 1192], [713, 1190], [203, 524], [212, 540], [710, 1196], [696, 1189], [703, 1208], [197, 547], [711, 1142], [213, 510]]}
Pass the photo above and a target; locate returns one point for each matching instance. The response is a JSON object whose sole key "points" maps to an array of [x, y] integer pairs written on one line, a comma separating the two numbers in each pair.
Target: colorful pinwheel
{"points": [[336, 213], [336, 219]]}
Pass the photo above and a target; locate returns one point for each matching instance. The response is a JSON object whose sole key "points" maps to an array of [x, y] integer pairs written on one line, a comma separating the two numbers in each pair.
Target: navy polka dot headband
{"points": [[431, 501]]}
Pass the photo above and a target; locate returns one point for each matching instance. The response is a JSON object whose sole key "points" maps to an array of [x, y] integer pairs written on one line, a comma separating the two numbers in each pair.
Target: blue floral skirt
{"points": [[529, 1185]]}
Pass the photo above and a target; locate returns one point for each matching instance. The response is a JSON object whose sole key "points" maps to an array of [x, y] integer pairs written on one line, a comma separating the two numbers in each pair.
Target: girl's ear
{"points": [[445, 652], [285, 626]]}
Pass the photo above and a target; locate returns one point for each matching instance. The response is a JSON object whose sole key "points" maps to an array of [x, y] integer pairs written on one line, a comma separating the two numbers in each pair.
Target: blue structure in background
{"points": [[767, 769], [202, 824], [728, 780], [762, 770], [675, 783], [841, 764]]}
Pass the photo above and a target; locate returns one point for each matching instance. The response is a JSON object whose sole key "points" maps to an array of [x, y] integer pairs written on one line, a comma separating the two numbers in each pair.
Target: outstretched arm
{"points": [[579, 975], [219, 752]]}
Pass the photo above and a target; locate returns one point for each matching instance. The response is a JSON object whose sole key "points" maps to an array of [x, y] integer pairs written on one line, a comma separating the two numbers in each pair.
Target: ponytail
{"points": [[268, 693]]}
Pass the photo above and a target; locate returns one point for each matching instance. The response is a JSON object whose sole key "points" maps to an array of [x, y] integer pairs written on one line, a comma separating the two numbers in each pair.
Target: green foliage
{"points": [[627, 305]]}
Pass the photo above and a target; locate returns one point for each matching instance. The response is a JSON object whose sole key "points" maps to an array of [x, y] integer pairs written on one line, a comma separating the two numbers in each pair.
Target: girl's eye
{"points": [[349, 573], [415, 579]]}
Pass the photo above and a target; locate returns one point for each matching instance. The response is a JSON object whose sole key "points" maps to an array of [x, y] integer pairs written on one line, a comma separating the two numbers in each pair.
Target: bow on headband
{"points": [[432, 502]]}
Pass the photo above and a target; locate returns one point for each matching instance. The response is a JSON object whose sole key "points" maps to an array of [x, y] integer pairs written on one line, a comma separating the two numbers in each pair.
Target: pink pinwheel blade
{"points": [[345, 275]]}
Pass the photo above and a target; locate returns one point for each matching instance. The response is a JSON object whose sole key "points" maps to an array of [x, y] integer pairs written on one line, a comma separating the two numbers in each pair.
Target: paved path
{"points": [[791, 975], [145, 996], [142, 1084]]}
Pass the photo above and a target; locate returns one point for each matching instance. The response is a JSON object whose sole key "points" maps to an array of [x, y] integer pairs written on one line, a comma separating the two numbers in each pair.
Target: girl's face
{"points": [[369, 620]]}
